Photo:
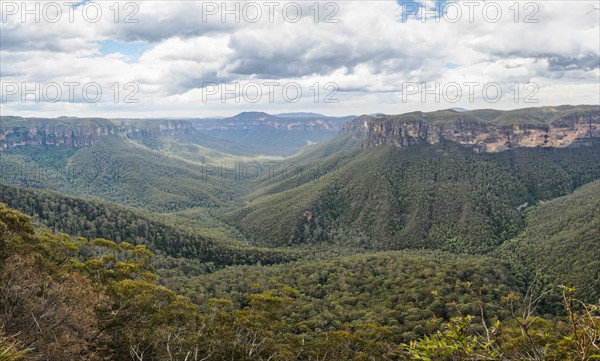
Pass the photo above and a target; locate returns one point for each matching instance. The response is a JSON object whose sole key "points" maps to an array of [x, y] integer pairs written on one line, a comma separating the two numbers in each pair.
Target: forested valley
{"points": [[139, 248]]}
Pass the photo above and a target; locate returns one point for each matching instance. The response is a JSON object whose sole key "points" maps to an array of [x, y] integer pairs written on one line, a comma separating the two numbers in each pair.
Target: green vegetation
{"points": [[529, 116], [71, 299], [192, 148], [440, 196], [68, 300], [543, 115], [562, 239], [120, 171], [524, 337], [96, 219], [133, 250], [393, 290]]}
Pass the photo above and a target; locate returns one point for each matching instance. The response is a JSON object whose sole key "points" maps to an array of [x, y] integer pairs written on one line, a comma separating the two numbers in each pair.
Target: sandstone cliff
{"points": [[485, 136], [76, 133]]}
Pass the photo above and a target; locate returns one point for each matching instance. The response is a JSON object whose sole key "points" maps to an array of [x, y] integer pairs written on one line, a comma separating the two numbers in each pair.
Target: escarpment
{"points": [[77, 132], [480, 134]]}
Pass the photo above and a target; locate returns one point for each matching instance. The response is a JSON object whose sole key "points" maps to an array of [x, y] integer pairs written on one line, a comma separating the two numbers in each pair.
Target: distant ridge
{"points": [[252, 116], [282, 134], [300, 115]]}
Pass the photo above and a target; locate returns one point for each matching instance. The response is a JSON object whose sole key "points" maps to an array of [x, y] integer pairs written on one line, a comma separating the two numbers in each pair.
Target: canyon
{"points": [[480, 130]]}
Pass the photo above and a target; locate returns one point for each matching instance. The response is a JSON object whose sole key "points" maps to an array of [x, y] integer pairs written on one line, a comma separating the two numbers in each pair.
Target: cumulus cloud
{"points": [[369, 50]]}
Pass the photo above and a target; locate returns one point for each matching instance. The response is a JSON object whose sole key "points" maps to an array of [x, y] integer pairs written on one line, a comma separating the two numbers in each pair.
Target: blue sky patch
{"points": [[80, 3], [132, 50], [411, 9]]}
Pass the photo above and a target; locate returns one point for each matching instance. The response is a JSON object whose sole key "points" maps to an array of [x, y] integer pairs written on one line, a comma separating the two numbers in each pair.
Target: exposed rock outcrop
{"points": [[570, 130], [74, 133]]}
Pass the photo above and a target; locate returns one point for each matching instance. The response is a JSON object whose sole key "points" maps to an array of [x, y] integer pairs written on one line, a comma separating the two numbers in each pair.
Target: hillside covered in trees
{"points": [[137, 246], [98, 300], [440, 196]]}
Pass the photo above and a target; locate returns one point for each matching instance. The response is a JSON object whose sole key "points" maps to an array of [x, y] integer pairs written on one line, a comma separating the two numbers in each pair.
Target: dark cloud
{"points": [[298, 56], [153, 31], [585, 62]]}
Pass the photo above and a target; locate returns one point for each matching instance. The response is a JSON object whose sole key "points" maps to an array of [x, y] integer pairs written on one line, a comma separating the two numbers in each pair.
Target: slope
{"points": [[440, 196], [562, 241], [118, 170], [97, 219]]}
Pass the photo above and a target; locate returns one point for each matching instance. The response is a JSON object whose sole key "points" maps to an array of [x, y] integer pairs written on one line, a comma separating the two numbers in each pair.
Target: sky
{"points": [[173, 58]]}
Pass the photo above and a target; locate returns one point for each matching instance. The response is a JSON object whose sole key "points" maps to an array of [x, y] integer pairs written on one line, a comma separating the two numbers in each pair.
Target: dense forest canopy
{"points": [[126, 246]]}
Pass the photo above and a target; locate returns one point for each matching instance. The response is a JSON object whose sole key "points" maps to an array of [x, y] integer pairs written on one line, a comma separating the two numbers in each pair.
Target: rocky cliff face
{"points": [[565, 131], [19, 132], [12, 137]]}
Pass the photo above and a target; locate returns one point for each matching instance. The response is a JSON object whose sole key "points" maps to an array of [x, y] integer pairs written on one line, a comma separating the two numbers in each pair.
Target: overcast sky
{"points": [[200, 59]]}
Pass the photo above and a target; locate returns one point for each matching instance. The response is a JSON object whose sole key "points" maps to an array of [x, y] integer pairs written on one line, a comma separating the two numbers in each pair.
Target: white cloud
{"points": [[369, 52]]}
